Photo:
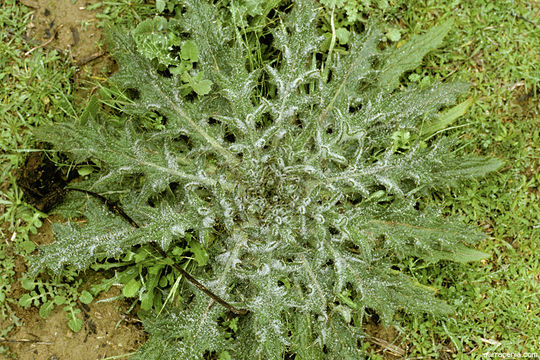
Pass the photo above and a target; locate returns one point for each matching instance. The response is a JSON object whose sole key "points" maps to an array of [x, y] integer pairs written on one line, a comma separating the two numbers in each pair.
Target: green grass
{"points": [[493, 46], [36, 88]]}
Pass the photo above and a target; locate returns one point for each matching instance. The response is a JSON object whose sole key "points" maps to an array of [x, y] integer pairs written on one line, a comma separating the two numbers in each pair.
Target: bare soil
{"points": [[106, 333], [66, 26], [108, 330]]}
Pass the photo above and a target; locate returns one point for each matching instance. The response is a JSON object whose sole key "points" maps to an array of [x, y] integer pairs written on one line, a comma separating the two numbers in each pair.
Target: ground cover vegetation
{"points": [[261, 265], [37, 88]]}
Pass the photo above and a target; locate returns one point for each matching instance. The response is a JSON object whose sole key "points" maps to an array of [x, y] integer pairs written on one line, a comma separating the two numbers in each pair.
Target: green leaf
{"points": [[202, 87], [141, 255], [131, 288], [81, 245], [199, 253], [160, 5], [447, 117], [75, 324], [393, 35], [86, 297], [147, 300], [189, 51], [27, 246], [85, 170], [225, 356], [414, 77], [60, 300], [121, 278], [409, 56], [45, 309], [467, 254], [154, 270], [28, 284], [91, 110], [25, 301], [343, 35]]}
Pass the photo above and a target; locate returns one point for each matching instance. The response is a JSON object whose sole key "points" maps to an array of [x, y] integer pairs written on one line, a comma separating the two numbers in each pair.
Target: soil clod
{"points": [[41, 182]]}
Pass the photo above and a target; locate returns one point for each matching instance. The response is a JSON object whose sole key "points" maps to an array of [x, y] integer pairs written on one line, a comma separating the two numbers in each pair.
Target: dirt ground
{"points": [[106, 333], [107, 330], [66, 26]]}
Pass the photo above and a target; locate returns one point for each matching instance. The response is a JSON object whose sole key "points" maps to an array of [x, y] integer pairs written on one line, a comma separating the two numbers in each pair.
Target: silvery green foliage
{"points": [[297, 195]]}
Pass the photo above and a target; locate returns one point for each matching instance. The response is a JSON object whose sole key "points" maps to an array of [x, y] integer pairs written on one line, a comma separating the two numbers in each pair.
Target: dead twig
{"points": [[11, 34], [46, 42], [386, 346], [85, 60], [524, 19], [38, 342]]}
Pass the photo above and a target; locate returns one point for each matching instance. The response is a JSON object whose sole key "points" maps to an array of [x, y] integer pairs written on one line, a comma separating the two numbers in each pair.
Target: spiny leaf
{"points": [[409, 56], [447, 117], [295, 198]]}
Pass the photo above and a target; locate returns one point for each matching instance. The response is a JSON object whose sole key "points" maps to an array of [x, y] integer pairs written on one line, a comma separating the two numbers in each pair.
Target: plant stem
{"points": [[326, 66]]}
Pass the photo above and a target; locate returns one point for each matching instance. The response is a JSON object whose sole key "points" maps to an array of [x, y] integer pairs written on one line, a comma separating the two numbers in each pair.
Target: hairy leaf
{"points": [[286, 177]]}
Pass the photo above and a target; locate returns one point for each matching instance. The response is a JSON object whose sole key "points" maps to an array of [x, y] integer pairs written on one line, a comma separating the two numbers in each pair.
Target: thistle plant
{"points": [[288, 176]]}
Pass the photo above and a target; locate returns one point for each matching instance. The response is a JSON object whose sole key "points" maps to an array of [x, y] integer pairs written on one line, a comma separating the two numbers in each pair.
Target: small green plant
{"points": [[7, 272], [21, 218], [48, 294], [157, 40], [150, 278], [299, 180]]}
